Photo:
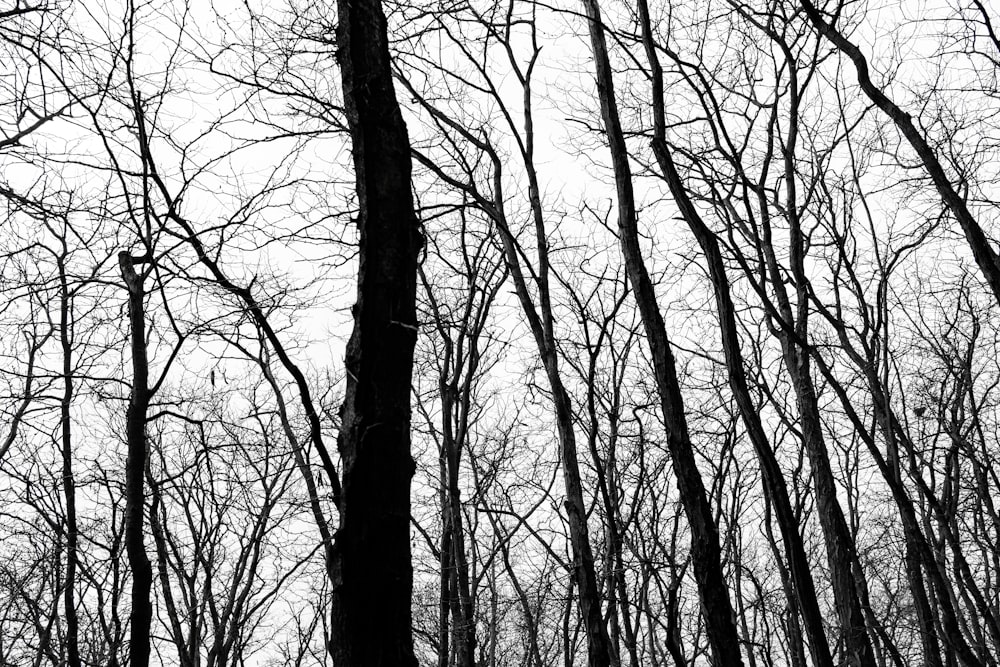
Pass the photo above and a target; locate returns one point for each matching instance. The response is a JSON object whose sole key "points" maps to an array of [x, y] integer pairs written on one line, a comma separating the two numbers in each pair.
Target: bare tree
{"points": [[371, 569], [716, 605]]}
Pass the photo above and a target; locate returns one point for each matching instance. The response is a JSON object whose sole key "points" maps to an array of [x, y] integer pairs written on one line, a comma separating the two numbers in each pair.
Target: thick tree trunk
{"points": [[705, 551], [141, 617], [370, 560]]}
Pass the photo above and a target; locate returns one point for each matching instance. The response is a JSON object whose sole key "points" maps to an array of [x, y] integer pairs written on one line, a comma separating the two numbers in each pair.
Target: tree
{"points": [[705, 549], [372, 573]]}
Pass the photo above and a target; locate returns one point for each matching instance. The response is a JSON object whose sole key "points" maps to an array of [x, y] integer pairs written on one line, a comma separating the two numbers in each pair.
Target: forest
{"points": [[500, 333]]}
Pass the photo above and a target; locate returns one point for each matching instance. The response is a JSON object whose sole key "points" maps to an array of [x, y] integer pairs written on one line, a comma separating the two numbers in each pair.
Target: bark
{"points": [[372, 576], [141, 616], [706, 554]]}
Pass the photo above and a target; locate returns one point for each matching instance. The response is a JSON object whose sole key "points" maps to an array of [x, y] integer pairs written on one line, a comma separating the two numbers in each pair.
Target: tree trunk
{"points": [[370, 560], [540, 321], [458, 570], [141, 617], [982, 249], [918, 550], [705, 552], [68, 479], [793, 334], [774, 482]]}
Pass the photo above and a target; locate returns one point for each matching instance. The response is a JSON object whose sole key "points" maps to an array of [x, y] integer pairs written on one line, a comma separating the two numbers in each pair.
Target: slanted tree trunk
{"points": [[775, 489], [982, 249], [599, 649], [706, 554], [141, 617], [840, 548], [370, 560], [792, 330], [919, 553]]}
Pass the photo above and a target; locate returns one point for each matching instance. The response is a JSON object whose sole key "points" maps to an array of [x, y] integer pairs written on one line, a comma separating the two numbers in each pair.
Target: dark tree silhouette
{"points": [[372, 574]]}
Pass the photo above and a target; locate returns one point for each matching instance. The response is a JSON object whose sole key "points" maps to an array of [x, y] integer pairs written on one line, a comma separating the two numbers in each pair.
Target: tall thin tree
{"points": [[141, 618], [705, 550]]}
